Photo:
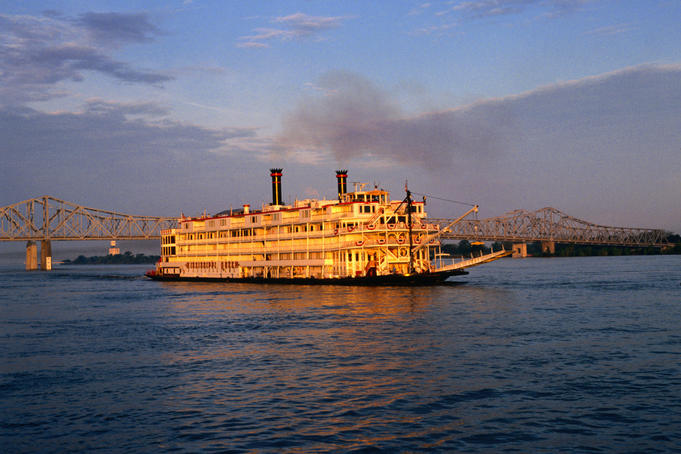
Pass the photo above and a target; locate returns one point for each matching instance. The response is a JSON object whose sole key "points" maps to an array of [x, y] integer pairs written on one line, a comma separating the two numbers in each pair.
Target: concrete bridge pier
{"points": [[519, 250], [31, 256], [548, 247], [46, 255]]}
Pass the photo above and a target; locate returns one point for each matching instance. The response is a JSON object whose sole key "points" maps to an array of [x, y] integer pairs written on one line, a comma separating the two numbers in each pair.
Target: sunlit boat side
{"points": [[361, 238]]}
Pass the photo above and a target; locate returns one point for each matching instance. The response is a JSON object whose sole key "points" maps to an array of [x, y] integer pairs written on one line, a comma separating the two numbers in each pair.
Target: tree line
{"points": [[464, 248], [119, 259]]}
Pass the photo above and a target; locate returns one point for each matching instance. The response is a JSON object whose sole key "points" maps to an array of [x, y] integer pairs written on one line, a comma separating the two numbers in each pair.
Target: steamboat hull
{"points": [[361, 238], [420, 279]]}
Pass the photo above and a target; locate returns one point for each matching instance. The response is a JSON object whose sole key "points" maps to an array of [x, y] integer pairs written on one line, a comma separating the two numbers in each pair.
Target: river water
{"points": [[533, 355]]}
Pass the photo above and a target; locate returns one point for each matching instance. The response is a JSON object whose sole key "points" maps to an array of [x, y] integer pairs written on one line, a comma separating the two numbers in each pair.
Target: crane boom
{"points": [[430, 238]]}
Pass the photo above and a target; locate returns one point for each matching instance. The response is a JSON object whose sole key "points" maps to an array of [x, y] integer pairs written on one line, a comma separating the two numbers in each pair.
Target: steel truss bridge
{"points": [[47, 219], [550, 225]]}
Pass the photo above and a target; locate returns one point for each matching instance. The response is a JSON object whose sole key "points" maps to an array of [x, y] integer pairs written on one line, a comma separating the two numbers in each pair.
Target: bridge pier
{"points": [[31, 256], [46, 255], [548, 247], [519, 250]]}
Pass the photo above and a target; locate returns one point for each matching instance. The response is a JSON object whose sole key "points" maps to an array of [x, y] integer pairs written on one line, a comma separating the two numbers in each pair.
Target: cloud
{"points": [[493, 8], [611, 30], [36, 53], [111, 152], [302, 25], [604, 148], [434, 29], [295, 26], [129, 131], [356, 118], [419, 9], [113, 28], [131, 158], [487, 8], [454, 15], [124, 110], [103, 128]]}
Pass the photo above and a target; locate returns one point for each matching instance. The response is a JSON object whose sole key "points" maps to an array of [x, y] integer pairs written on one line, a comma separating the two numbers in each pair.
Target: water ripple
{"points": [[545, 355]]}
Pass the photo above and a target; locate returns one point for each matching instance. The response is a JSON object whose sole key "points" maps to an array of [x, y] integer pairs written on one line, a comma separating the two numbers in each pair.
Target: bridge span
{"points": [[46, 219], [549, 226]]}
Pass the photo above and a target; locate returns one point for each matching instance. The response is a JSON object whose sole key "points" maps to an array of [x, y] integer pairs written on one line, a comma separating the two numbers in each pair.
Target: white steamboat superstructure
{"points": [[362, 237]]}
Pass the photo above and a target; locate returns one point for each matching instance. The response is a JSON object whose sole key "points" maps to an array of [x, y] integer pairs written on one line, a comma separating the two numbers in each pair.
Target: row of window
{"points": [[239, 233], [256, 219], [298, 228]]}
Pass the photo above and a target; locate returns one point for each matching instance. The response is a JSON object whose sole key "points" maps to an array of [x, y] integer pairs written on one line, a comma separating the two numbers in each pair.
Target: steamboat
{"points": [[361, 238]]}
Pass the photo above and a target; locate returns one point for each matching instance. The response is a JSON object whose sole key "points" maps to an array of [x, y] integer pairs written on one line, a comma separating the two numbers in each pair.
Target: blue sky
{"points": [[163, 107]]}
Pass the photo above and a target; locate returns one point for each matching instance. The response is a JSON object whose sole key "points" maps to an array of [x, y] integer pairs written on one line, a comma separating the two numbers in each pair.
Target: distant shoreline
{"points": [[126, 258], [534, 249]]}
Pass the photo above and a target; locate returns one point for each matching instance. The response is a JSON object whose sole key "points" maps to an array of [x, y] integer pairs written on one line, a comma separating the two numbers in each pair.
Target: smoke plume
{"points": [[355, 118]]}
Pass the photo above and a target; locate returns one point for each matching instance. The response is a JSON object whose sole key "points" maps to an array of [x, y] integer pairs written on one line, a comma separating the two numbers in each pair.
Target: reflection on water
{"points": [[533, 355], [324, 366]]}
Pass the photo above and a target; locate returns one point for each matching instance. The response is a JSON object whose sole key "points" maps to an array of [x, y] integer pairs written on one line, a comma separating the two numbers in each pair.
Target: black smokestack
{"points": [[276, 186], [342, 176]]}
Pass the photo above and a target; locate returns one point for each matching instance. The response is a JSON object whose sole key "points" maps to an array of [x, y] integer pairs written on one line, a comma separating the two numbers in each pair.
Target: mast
{"points": [[411, 241]]}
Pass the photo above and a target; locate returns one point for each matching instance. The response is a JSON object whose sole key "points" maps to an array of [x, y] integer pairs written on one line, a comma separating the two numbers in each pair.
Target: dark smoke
{"points": [[356, 118]]}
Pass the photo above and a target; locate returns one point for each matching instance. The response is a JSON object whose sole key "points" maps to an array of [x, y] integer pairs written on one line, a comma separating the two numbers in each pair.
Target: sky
{"points": [[169, 107]]}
